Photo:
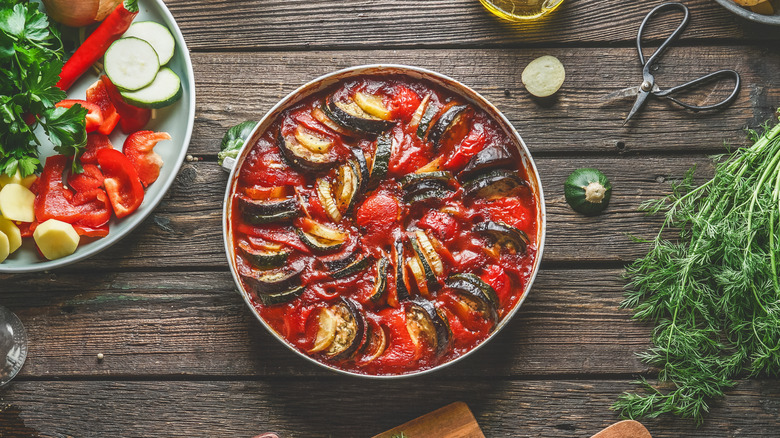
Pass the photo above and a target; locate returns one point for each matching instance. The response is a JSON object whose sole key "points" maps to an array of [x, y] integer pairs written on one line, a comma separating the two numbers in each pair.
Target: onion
{"points": [[79, 13]]}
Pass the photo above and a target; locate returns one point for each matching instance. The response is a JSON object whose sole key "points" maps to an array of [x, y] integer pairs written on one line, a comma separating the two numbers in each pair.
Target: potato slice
{"points": [[16, 203], [17, 179], [12, 232], [56, 239], [544, 76], [4, 247]]}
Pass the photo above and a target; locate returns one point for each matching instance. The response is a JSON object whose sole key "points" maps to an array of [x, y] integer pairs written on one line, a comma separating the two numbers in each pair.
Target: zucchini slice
{"points": [[451, 127], [337, 260], [425, 121], [381, 161], [302, 157], [349, 330], [372, 104], [258, 211], [411, 179], [494, 156], [418, 113], [435, 194], [282, 297], [313, 141], [164, 90], [327, 200], [351, 116], [360, 263], [424, 322], [263, 259], [320, 114], [420, 275], [131, 63], [362, 167], [320, 237], [503, 235], [401, 279], [345, 187], [420, 265], [475, 294], [380, 281], [429, 252], [157, 35], [274, 280], [494, 184]]}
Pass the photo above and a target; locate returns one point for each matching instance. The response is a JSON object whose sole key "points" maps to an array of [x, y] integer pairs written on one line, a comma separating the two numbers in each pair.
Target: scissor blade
{"points": [[620, 94], [641, 98]]}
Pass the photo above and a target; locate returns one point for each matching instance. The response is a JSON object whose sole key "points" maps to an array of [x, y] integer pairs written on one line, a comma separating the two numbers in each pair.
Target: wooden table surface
{"points": [[185, 357]]}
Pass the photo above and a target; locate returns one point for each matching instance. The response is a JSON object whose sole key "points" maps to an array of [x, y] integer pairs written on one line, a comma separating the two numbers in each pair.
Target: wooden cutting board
{"points": [[452, 421]]}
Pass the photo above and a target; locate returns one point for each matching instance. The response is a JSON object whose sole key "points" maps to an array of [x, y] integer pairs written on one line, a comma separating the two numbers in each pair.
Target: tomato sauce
{"points": [[332, 186]]}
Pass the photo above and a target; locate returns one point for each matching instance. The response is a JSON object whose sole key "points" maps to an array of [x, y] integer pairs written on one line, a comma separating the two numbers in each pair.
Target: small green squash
{"points": [[587, 191]]}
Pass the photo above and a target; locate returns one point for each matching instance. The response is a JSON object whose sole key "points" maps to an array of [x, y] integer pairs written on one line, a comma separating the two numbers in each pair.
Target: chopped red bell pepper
{"points": [[95, 142], [131, 118], [122, 184], [94, 208], [404, 103], [101, 231], [139, 149], [94, 116], [98, 95], [465, 151], [90, 178], [110, 30]]}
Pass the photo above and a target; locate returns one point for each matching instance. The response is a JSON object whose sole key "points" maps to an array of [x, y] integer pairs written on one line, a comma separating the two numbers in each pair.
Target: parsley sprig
{"points": [[31, 55], [714, 293]]}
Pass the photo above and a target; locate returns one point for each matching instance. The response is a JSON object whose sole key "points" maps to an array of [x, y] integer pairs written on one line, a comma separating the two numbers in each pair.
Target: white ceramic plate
{"points": [[176, 119], [773, 20]]}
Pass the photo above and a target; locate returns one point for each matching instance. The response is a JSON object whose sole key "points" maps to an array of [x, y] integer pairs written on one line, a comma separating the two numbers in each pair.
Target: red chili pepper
{"points": [[139, 149], [90, 178], [98, 94], [94, 116], [131, 118], [123, 187], [110, 30], [95, 142]]}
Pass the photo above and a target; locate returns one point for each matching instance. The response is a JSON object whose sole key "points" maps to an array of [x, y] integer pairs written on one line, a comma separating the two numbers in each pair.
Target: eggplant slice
{"points": [[380, 281], [475, 294], [274, 280], [423, 321], [493, 156], [263, 258], [451, 127], [401, 279], [282, 297], [503, 235], [353, 117], [256, 211], [348, 332], [302, 157], [494, 184]]}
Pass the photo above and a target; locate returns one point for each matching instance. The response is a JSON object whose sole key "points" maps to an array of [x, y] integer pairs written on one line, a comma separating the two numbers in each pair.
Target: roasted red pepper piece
{"points": [[131, 118], [95, 142], [110, 30], [404, 103], [123, 187], [470, 146], [98, 95], [139, 149], [90, 178], [94, 115]]}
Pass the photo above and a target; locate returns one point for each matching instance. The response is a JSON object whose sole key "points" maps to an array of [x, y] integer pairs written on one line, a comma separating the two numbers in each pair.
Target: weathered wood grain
{"points": [[355, 408], [185, 230], [233, 87], [335, 24], [190, 323]]}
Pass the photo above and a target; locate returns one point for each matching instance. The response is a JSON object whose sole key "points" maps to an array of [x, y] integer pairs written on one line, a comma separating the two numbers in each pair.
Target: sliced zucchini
{"points": [[263, 259], [338, 260], [302, 157], [164, 90], [503, 235], [427, 195], [423, 272], [325, 194], [345, 187], [131, 63], [157, 35], [429, 252], [372, 104], [475, 294], [424, 187], [380, 281], [451, 127], [258, 219], [282, 297], [425, 121], [313, 141], [351, 116], [494, 184], [494, 156], [424, 322], [274, 280], [360, 263], [362, 165], [418, 113], [350, 328], [320, 113], [409, 180], [401, 279], [381, 161], [319, 237], [419, 274], [267, 207]]}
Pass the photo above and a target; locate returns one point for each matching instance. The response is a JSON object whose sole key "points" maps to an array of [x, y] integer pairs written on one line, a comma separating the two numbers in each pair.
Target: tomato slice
{"points": [[122, 184], [95, 142], [139, 149], [131, 118], [378, 215], [94, 114], [404, 103], [98, 95]]}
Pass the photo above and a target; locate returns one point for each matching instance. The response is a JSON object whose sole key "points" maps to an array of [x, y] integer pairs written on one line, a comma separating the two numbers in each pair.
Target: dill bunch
{"points": [[714, 294]]}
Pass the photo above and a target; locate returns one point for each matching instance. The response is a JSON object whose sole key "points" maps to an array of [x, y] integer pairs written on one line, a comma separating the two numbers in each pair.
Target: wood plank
{"points": [[190, 323], [334, 24], [184, 232], [297, 407], [233, 87]]}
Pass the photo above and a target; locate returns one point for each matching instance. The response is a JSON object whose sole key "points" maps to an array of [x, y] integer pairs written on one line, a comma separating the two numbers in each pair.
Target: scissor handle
{"points": [[718, 75], [676, 34]]}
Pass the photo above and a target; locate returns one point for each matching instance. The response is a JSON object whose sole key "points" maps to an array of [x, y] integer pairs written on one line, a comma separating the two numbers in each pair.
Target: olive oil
{"points": [[519, 10]]}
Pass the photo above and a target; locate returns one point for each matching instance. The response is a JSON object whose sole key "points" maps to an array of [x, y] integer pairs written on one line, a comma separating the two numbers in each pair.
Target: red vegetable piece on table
{"points": [[98, 95], [110, 30], [95, 142], [139, 149], [122, 184], [90, 178], [94, 116], [131, 118]]}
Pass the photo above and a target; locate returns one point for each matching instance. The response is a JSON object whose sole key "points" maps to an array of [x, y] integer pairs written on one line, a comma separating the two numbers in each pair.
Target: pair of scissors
{"points": [[649, 88]]}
